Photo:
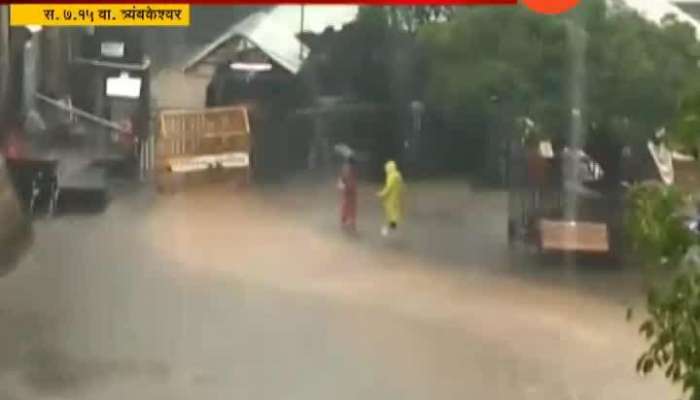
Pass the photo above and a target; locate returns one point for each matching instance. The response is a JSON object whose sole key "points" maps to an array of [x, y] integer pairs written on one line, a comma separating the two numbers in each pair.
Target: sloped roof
{"points": [[691, 7], [278, 43], [274, 32]]}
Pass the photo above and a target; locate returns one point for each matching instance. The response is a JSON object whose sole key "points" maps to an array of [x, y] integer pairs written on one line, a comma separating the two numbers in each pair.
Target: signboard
{"points": [[252, 67], [203, 163], [211, 122], [123, 86], [546, 150], [112, 49], [663, 159]]}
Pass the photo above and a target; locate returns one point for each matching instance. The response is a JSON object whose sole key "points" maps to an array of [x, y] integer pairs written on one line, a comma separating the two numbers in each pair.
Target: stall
{"points": [[560, 203]]}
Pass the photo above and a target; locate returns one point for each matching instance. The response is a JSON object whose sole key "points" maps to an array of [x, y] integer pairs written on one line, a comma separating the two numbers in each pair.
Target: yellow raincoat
{"points": [[392, 193]]}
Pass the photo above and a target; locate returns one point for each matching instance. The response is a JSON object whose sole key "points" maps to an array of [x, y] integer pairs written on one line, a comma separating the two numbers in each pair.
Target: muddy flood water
{"points": [[222, 294]]}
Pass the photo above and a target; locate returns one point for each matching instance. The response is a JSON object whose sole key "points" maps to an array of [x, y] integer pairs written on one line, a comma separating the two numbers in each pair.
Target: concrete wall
{"points": [[54, 63], [168, 49], [171, 88]]}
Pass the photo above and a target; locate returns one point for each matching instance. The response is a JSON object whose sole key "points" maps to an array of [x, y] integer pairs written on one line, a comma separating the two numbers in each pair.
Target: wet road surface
{"points": [[218, 294]]}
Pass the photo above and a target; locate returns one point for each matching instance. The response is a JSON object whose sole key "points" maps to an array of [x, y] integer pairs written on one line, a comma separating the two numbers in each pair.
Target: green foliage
{"points": [[640, 71], [373, 19], [673, 327], [406, 18], [411, 18], [655, 229], [479, 68], [369, 59], [685, 132], [472, 59], [654, 225], [634, 69]]}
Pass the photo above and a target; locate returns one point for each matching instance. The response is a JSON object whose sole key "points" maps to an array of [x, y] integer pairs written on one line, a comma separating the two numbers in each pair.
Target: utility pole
{"points": [[4, 61], [301, 32]]}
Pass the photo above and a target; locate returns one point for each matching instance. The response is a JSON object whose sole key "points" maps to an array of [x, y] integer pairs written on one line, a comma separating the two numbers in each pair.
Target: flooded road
{"points": [[218, 294]]}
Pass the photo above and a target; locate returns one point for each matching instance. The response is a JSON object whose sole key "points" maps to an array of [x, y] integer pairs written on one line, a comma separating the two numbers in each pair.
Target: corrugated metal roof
{"points": [[274, 32], [277, 42], [692, 8]]}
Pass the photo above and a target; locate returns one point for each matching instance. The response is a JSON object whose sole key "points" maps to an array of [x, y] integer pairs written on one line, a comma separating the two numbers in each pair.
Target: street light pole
{"points": [[301, 32], [4, 59]]}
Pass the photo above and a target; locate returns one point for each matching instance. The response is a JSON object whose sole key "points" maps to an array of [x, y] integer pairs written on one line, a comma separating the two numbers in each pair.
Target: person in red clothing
{"points": [[13, 146], [347, 183]]}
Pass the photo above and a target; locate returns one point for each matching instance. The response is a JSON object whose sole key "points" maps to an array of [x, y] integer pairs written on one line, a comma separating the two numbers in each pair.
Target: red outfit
{"points": [[348, 209], [13, 147]]}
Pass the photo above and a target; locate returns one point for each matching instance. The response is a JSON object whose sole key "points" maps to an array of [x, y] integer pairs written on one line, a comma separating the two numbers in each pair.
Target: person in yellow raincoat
{"points": [[392, 197]]}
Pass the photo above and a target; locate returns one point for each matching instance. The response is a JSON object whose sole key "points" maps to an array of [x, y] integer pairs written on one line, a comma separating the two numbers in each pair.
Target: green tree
{"points": [[656, 231], [654, 224], [481, 75], [634, 70], [371, 59], [410, 18], [638, 71], [686, 126]]}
